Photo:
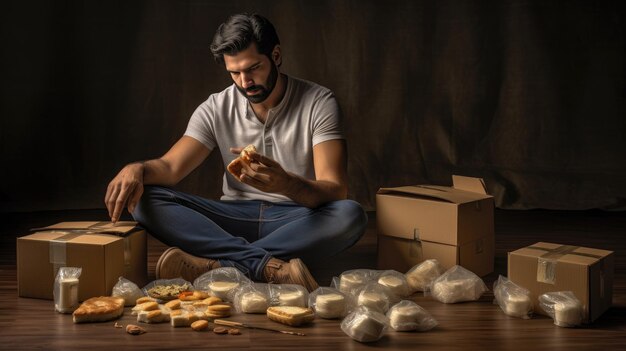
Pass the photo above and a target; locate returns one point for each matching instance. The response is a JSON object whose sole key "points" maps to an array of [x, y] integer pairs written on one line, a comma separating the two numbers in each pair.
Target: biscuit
{"points": [[199, 325], [173, 305]]}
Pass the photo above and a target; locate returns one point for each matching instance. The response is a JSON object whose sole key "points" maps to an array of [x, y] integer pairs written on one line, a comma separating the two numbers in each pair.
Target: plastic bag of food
{"points": [[352, 280], [167, 289], [365, 325], [396, 282], [563, 307], [458, 284], [513, 299], [421, 276], [330, 303], [222, 282], [127, 290], [375, 296], [65, 290], [253, 298], [288, 295], [408, 316]]}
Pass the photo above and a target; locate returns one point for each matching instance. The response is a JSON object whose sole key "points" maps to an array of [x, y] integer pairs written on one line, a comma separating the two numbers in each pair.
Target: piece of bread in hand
{"points": [[291, 315], [236, 165], [99, 309]]}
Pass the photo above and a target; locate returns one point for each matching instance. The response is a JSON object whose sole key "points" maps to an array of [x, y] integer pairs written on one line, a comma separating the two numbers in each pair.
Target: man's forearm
{"points": [[313, 193], [158, 172]]}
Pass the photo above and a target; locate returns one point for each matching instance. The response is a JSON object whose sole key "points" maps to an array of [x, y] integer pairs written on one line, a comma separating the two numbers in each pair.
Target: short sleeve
{"points": [[326, 119], [200, 126]]}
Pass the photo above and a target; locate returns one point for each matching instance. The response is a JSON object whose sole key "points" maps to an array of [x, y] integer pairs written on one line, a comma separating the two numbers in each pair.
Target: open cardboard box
{"points": [[104, 251], [452, 224]]}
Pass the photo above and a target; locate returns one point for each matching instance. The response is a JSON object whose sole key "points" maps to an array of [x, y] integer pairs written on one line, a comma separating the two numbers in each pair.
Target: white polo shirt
{"points": [[307, 115]]}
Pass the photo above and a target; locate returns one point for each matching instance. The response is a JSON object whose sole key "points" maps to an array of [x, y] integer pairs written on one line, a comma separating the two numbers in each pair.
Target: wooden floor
{"points": [[33, 324]]}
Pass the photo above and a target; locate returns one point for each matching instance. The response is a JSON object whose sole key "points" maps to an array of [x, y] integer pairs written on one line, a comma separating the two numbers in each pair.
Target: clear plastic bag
{"points": [[396, 282], [563, 307], [223, 282], [65, 290], [330, 303], [458, 284], [288, 295], [375, 297], [352, 280], [127, 290], [513, 299], [253, 298], [365, 325], [421, 276], [408, 316], [167, 289]]}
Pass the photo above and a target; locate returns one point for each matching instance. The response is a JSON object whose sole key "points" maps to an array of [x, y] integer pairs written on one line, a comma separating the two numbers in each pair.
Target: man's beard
{"points": [[265, 91]]}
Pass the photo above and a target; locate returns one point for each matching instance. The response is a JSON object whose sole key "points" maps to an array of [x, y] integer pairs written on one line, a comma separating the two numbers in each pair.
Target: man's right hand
{"points": [[126, 187]]}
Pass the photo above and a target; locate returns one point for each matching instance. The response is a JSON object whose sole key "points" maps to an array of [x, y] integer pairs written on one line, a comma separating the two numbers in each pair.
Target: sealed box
{"points": [[546, 267], [104, 252], [452, 224]]}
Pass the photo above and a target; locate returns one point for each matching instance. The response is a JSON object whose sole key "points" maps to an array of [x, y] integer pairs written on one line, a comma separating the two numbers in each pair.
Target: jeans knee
{"points": [[146, 202], [353, 217]]}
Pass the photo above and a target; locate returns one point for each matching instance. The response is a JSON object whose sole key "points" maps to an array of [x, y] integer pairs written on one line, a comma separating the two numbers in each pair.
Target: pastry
{"points": [[99, 309], [290, 315], [236, 165]]}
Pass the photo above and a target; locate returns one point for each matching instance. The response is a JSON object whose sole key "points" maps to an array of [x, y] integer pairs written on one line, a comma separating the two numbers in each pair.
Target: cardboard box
{"points": [[545, 267], [451, 224], [103, 251]]}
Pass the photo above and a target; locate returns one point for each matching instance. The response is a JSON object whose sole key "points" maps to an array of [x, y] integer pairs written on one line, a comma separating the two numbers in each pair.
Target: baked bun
{"points": [[236, 165], [99, 309], [290, 315]]}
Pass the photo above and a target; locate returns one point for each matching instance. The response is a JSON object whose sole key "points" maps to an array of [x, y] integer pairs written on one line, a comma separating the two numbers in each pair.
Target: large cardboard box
{"points": [[452, 224], [104, 252], [545, 267]]}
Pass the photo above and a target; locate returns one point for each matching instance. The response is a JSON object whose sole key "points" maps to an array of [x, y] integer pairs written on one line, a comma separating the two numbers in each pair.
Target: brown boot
{"points": [[175, 263], [292, 272]]}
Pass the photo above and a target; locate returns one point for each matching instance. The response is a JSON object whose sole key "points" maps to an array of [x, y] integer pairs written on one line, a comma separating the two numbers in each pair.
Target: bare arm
{"points": [[171, 168], [330, 184]]}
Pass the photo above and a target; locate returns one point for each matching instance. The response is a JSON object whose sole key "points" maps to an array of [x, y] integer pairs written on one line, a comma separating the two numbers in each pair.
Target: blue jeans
{"points": [[245, 234]]}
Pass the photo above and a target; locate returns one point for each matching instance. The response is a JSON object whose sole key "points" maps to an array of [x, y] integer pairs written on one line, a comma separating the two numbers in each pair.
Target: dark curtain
{"points": [[528, 95]]}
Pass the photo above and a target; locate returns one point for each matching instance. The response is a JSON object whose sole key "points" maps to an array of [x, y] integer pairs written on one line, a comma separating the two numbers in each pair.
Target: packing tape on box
{"points": [[58, 247], [546, 263]]}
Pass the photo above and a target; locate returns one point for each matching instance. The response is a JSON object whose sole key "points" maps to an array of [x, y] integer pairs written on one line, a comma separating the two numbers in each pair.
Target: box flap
{"points": [[474, 185], [563, 253], [118, 228], [435, 192]]}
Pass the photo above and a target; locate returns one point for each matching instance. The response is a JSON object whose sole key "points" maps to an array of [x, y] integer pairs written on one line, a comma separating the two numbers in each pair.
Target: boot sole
{"points": [[160, 261], [310, 283]]}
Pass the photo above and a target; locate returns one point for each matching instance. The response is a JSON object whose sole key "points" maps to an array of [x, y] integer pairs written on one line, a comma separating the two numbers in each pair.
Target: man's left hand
{"points": [[266, 175]]}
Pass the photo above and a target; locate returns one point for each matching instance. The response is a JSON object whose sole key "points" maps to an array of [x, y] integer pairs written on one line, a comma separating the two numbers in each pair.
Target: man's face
{"points": [[254, 74]]}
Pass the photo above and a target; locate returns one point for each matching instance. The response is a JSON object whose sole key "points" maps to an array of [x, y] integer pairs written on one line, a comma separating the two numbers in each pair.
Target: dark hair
{"points": [[241, 30]]}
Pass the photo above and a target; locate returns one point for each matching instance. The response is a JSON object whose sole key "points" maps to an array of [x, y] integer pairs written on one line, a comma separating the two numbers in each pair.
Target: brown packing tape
{"points": [[546, 263]]}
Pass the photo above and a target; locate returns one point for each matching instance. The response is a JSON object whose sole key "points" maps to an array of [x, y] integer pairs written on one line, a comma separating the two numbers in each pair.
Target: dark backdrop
{"points": [[528, 95]]}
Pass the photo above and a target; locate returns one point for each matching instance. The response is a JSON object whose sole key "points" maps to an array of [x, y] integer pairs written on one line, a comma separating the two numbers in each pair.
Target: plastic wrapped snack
{"points": [[374, 296], [396, 282], [422, 275], [563, 307], [167, 289], [222, 282], [352, 280], [512, 298], [66, 289], [127, 290], [288, 295], [458, 284], [330, 303], [254, 298], [408, 316], [365, 325]]}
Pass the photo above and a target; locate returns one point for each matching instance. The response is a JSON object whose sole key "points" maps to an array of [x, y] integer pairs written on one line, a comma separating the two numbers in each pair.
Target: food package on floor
{"points": [[66, 289], [167, 289], [421, 276], [352, 280], [513, 299], [288, 295], [365, 325], [458, 284], [127, 290], [396, 282], [375, 297], [563, 307], [222, 282], [330, 303], [254, 298], [408, 316]]}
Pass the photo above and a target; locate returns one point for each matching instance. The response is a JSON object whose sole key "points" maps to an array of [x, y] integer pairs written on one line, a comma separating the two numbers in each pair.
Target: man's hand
{"points": [[127, 186], [264, 173]]}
